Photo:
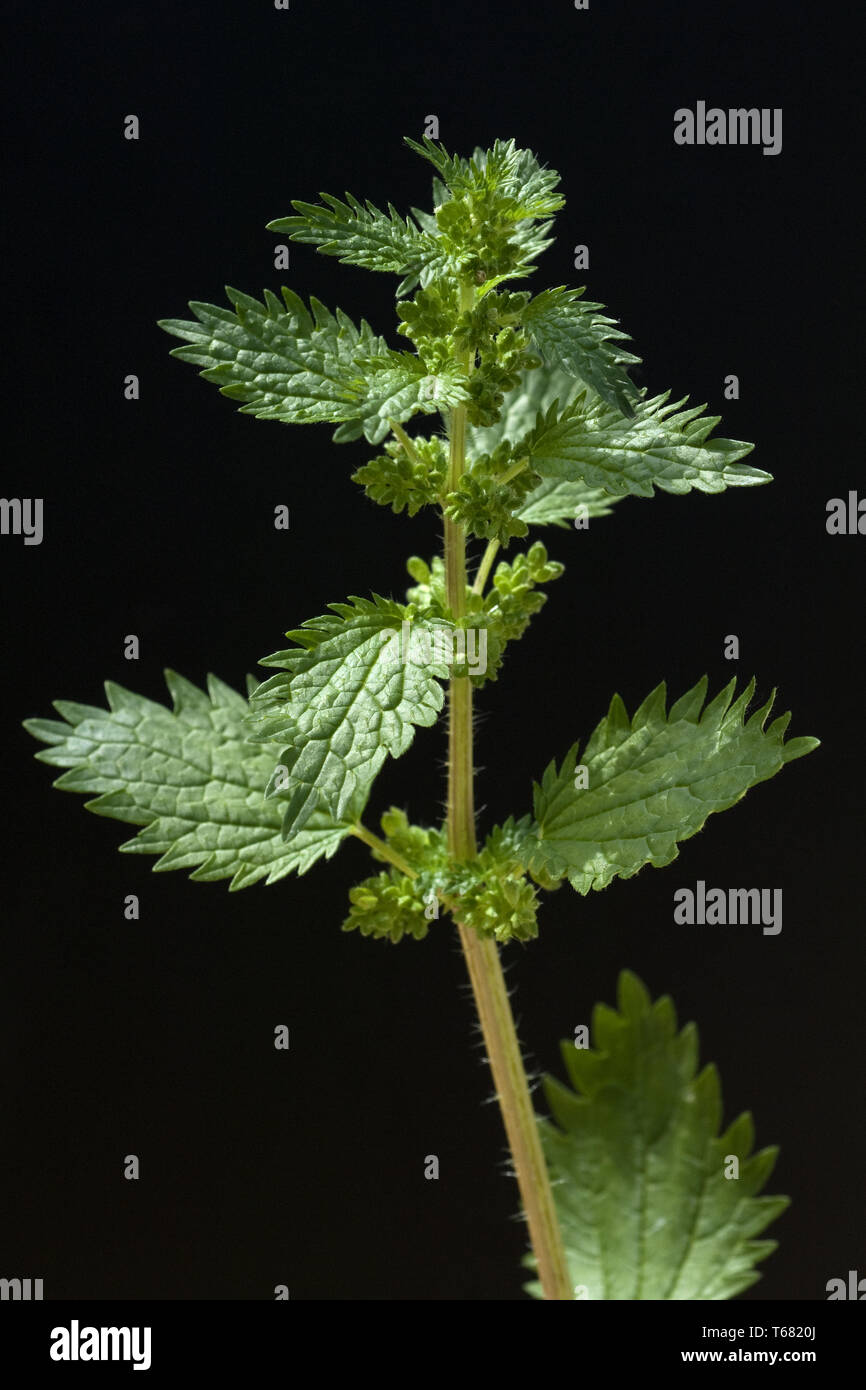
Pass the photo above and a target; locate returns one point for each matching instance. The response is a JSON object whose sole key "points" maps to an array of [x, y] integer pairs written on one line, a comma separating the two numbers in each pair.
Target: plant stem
{"points": [[461, 804], [399, 433], [482, 956], [455, 537], [512, 1088], [383, 849], [513, 471], [485, 567]]}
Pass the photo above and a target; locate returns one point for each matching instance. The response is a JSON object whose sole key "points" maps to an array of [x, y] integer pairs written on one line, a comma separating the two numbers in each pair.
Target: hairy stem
{"points": [[512, 1088], [461, 805], [482, 955], [455, 537]]}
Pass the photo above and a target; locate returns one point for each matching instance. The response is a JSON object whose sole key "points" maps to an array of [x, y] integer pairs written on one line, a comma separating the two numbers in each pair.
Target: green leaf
{"points": [[638, 1164], [551, 501], [651, 782], [358, 234], [189, 776], [559, 502], [571, 334], [661, 446], [520, 184], [292, 366], [344, 700]]}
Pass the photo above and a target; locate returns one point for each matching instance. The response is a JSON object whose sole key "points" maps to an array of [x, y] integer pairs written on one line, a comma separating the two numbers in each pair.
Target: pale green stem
{"points": [[485, 567], [383, 849], [407, 443], [513, 471], [493, 546], [482, 955]]}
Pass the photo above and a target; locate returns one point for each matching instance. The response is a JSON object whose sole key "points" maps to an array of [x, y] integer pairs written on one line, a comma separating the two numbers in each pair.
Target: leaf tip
{"points": [[633, 998]]}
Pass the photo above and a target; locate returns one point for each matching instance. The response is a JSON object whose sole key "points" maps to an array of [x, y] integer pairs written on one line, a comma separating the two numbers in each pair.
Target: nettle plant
{"points": [[630, 1191]]}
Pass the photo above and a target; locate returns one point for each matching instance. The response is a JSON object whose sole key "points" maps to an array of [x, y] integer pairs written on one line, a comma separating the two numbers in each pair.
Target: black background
{"points": [[156, 1037]]}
